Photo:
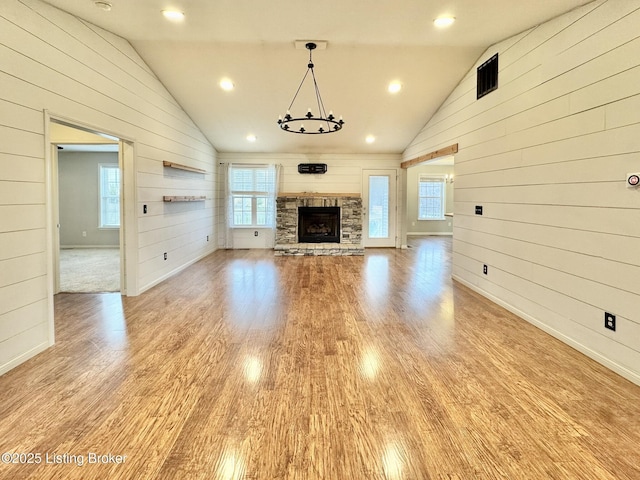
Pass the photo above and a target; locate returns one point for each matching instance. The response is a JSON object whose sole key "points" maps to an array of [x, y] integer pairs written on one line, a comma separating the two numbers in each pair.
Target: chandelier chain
{"points": [[298, 90]]}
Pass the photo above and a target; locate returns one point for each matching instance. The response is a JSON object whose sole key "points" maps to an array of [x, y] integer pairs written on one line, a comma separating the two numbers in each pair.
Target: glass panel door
{"points": [[379, 204], [378, 207]]}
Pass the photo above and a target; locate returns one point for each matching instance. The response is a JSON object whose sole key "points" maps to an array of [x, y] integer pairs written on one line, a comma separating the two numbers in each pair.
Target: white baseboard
{"points": [[69, 247], [607, 362], [174, 271], [444, 234], [24, 357]]}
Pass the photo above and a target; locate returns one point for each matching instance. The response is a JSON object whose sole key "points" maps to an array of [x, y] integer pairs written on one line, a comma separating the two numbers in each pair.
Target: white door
{"points": [[379, 208]]}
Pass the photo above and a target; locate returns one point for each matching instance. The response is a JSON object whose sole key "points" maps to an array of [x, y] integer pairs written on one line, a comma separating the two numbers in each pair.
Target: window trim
{"points": [[435, 178], [254, 195]]}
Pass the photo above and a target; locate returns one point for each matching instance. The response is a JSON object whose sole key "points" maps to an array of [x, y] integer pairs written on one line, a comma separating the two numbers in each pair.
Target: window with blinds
{"points": [[431, 197], [252, 196], [109, 195]]}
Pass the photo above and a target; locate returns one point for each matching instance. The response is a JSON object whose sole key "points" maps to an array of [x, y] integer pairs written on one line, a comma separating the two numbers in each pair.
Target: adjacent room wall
{"points": [[79, 202], [547, 155], [344, 175], [427, 227], [52, 61]]}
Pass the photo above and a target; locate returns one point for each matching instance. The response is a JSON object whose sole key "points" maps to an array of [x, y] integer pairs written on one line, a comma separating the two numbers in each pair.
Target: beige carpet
{"points": [[90, 270]]}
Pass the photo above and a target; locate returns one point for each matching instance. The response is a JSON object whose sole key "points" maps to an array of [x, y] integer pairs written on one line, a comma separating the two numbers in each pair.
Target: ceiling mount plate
{"points": [[302, 44]]}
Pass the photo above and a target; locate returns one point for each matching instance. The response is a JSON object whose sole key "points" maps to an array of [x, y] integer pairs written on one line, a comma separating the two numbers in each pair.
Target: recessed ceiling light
{"points": [[444, 21], [370, 139], [251, 138], [174, 15], [226, 84], [106, 6], [394, 87]]}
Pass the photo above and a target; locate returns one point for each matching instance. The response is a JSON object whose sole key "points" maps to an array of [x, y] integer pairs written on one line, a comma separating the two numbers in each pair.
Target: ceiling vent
{"points": [[488, 76]]}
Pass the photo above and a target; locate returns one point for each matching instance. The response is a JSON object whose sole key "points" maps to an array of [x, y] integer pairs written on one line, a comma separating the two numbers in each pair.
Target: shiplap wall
{"points": [[547, 155], [50, 60], [344, 175]]}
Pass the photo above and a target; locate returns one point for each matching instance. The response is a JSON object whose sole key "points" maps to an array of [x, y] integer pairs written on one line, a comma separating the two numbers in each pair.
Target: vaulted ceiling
{"points": [[370, 44]]}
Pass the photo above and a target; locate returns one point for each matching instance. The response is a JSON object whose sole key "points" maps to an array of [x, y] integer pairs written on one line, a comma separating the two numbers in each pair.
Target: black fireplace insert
{"points": [[319, 224]]}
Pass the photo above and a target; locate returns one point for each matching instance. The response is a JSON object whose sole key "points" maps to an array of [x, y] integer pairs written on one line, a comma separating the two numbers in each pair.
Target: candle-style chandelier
{"points": [[316, 125]]}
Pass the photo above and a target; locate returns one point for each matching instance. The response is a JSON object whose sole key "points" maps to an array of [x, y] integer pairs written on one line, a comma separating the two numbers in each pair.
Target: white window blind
{"points": [[252, 195], [431, 197], [109, 195]]}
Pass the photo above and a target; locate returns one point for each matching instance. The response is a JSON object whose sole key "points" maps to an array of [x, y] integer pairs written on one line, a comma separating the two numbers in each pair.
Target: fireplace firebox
{"points": [[319, 224]]}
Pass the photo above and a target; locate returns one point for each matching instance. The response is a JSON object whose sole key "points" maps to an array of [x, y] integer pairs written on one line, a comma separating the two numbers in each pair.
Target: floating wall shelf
{"points": [[182, 167], [168, 198]]}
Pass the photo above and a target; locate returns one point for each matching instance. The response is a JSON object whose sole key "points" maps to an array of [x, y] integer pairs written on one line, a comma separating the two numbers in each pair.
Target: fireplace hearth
{"points": [[319, 224]]}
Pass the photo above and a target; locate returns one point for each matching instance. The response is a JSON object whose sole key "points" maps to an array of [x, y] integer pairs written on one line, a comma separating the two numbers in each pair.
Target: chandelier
{"points": [[316, 125]]}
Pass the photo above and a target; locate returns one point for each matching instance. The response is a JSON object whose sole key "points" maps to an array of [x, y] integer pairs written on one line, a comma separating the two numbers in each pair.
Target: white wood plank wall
{"points": [[547, 155], [344, 171], [50, 60], [344, 174]]}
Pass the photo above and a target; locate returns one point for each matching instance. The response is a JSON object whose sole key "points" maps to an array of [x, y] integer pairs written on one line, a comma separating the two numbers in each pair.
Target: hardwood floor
{"points": [[250, 366]]}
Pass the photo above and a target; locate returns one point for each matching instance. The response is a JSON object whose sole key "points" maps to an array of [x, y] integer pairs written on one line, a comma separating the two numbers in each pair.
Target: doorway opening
{"points": [[87, 210], [430, 198]]}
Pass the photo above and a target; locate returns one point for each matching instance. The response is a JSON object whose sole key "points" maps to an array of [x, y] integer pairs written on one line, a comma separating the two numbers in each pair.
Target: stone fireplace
{"points": [[319, 224]]}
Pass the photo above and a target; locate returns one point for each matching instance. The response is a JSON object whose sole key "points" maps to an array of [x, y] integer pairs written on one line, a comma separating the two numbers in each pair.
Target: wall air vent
{"points": [[488, 76], [312, 168]]}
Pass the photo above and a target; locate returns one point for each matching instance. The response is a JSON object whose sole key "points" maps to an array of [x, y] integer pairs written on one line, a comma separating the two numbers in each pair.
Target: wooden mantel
{"points": [[443, 152], [317, 194]]}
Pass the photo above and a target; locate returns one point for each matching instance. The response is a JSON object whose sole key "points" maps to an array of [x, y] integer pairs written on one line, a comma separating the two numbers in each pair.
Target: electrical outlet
{"points": [[144, 209], [255, 234], [84, 234], [207, 238], [165, 255], [485, 269], [610, 321], [478, 209]]}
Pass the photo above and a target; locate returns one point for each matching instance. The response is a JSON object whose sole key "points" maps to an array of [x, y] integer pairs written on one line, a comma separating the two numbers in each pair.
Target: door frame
{"points": [[129, 285], [55, 209], [392, 240]]}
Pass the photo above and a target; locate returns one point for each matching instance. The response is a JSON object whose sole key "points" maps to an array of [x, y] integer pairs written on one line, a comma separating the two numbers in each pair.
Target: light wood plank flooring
{"points": [[250, 366]]}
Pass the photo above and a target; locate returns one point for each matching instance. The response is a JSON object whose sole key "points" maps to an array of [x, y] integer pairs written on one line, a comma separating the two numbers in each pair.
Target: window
{"points": [[252, 196], [431, 200], [109, 196]]}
